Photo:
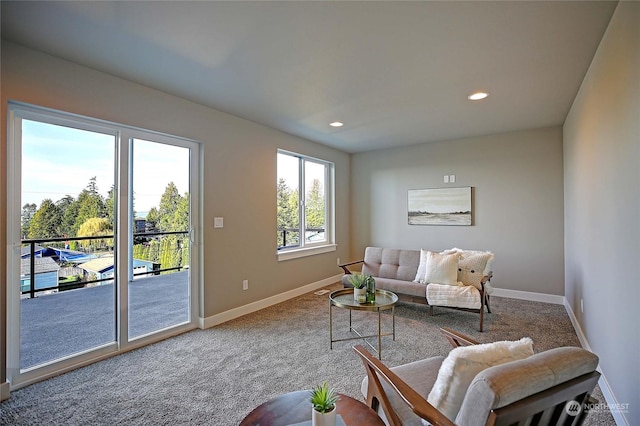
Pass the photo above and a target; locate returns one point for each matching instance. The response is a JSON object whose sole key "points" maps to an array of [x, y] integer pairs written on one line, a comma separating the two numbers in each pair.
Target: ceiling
{"points": [[396, 73]]}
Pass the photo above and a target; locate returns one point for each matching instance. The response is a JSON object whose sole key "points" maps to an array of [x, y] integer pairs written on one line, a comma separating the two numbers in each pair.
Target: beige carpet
{"points": [[217, 376]]}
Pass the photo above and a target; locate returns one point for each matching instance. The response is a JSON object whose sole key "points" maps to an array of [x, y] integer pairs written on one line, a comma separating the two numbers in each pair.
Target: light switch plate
{"points": [[218, 222]]}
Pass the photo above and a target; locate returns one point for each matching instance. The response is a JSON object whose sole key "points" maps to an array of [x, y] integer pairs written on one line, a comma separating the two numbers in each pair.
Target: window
{"points": [[304, 206]]}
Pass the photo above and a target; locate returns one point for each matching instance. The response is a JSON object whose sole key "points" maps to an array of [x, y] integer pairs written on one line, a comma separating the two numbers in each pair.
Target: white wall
{"points": [[517, 202], [602, 207]]}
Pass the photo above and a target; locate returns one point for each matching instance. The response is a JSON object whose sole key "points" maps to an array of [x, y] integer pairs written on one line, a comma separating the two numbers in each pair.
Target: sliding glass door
{"points": [[159, 262], [102, 223], [67, 270]]}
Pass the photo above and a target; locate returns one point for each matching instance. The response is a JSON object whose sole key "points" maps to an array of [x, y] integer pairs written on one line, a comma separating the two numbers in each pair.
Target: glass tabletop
{"points": [[344, 299]]}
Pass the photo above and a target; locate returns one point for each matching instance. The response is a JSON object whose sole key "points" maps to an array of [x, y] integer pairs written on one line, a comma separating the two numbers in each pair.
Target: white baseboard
{"points": [[528, 295], [610, 398], [4, 391], [265, 303]]}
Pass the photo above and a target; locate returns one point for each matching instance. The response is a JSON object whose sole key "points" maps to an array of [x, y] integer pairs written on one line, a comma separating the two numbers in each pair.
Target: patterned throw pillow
{"points": [[471, 268]]}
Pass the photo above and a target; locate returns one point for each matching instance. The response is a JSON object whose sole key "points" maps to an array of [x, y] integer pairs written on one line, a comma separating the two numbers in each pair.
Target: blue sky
{"points": [[59, 161]]}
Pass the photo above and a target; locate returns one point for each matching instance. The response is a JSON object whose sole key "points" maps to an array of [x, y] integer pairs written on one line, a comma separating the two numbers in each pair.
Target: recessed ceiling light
{"points": [[336, 124], [477, 96]]}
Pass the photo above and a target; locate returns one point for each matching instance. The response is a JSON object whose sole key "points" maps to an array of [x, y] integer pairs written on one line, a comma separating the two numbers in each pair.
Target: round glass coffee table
{"points": [[385, 300]]}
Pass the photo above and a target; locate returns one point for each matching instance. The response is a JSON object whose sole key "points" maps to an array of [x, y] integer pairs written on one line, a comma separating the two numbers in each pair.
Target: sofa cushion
{"points": [[396, 264], [401, 287], [462, 365]]}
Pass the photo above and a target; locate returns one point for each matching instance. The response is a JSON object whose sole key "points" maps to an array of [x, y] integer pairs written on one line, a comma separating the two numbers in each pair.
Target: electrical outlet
{"points": [[582, 306], [338, 262], [245, 284]]}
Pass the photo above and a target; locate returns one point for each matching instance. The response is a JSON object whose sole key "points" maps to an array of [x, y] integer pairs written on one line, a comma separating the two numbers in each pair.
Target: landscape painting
{"points": [[440, 206]]}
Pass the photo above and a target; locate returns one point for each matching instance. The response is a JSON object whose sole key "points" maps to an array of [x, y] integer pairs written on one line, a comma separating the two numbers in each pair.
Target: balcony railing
{"points": [[82, 283], [290, 236]]}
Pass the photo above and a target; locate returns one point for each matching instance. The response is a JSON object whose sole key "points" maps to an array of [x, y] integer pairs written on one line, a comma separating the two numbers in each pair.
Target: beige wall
{"points": [[239, 159], [517, 202], [602, 199]]}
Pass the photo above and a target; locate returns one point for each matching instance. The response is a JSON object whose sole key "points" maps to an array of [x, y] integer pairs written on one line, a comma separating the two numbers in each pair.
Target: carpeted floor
{"points": [[217, 376]]}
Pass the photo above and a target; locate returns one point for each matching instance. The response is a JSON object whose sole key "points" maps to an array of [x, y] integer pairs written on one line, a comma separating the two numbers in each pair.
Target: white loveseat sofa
{"points": [[452, 278]]}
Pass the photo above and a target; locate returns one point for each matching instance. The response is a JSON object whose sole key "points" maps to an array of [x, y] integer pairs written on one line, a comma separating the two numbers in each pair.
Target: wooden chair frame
{"points": [[546, 407]]}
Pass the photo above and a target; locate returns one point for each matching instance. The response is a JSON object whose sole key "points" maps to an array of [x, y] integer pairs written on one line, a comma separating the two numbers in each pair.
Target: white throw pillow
{"points": [[421, 267], [463, 364], [471, 268], [441, 268]]}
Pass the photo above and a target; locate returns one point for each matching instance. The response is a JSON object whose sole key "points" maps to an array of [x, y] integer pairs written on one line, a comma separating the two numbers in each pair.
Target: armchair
{"points": [[538, 389]]}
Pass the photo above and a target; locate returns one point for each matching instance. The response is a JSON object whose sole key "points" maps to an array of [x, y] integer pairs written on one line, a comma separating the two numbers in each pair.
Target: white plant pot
{"points": [[323, 419], [360, 295]]}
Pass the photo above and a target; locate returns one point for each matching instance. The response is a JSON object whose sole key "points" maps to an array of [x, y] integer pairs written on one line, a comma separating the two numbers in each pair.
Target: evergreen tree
{"points": [[28, 210], [110, 206], [91, 204], [69, 210], [315, 206], [153, 219], [168, 205], [45, 221], [287, 213]]}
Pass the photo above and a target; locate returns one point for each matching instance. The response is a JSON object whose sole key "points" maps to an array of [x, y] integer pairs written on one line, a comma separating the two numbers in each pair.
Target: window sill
{"points": [[311, 251]]}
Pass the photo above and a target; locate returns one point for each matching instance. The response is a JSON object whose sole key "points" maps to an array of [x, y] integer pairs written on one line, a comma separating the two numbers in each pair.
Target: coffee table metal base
{"points": [[388, 301]]}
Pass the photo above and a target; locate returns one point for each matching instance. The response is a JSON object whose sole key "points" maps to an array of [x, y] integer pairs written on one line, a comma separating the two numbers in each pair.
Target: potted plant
{"points": [[359, 283], [323, 400]]}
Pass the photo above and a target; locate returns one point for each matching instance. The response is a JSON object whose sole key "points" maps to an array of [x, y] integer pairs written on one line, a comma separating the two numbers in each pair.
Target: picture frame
{"points": [[440, 206]]}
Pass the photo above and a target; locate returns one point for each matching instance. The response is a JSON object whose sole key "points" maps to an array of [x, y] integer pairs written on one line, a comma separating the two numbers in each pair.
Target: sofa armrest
{"points": [[346, 270]]}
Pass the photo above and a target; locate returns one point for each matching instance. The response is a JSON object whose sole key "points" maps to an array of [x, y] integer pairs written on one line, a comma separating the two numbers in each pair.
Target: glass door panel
{"points": [[159, 279], [67, 269]]}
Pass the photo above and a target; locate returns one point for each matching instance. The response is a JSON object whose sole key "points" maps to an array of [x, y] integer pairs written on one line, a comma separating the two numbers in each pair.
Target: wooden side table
{"points": [[294, 407]]}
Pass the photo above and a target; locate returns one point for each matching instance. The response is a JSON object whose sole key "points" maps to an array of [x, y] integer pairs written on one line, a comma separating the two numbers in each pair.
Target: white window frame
{"points": [[18, 111], [305, 248]]}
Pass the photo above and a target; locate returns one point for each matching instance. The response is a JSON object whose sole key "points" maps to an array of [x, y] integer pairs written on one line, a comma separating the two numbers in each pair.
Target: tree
{"points": [[94, 227], [287, 212], [68, 211], [110, 206], [45, 221], [91, 204], [168, 205], [153, 219], [315, 206], [181, 215], [28, 210]]}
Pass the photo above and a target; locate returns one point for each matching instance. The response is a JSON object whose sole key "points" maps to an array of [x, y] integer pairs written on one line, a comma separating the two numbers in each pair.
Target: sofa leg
{"points": [[431, 310]]}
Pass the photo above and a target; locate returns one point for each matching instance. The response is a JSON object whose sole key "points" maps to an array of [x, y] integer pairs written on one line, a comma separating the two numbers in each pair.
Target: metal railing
{"points": [[296, 241], [63, 286]]}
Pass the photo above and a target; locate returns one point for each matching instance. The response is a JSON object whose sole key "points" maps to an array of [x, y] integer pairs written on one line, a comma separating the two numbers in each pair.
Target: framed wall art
{"points": [[440, 206]]}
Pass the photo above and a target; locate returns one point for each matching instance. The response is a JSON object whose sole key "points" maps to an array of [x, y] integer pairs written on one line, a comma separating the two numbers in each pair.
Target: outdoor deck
{"points": [[64, 323]]}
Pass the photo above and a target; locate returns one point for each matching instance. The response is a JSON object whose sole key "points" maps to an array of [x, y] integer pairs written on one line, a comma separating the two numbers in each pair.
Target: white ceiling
{"points": [[397, 73]]}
